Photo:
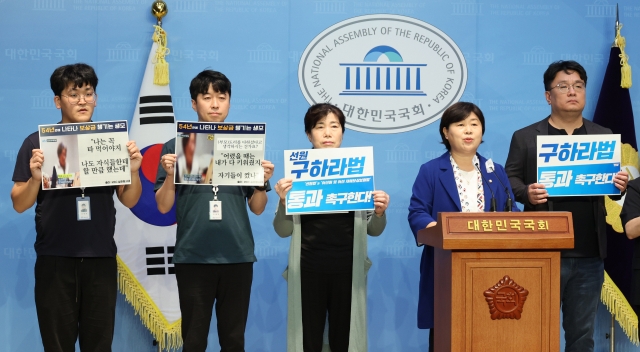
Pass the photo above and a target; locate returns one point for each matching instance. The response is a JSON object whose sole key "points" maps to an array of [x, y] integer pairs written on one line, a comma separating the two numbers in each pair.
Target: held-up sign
{"points": [[329, 180], [582, 165], [84, 154], [211, 153]]}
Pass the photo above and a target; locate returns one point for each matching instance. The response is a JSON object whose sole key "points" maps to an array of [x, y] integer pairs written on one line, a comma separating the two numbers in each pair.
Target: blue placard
{"points": [[329, 180], [582, 165]]}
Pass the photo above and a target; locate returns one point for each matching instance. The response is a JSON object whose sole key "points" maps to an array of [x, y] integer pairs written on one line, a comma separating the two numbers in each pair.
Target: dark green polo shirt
{"points": [[203, 241]]}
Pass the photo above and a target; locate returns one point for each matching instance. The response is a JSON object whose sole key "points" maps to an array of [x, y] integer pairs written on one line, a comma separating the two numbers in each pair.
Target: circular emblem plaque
{"points": [[388, 73]]}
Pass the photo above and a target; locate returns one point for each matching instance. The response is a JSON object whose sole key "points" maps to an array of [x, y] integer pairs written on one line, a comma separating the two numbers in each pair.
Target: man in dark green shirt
{"points": [[213, 258]]}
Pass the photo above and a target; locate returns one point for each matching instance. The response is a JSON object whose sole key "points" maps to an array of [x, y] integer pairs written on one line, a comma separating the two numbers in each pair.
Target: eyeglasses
{"points": [[75, 98], [563, 87]]}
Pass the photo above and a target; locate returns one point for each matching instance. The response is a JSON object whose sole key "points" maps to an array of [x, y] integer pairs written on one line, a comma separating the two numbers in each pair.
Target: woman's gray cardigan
{"points": [[365, 222]]}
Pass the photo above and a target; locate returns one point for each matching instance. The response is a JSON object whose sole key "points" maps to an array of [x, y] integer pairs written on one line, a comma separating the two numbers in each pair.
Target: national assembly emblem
{"points": [[506, 299], [387, 73]]}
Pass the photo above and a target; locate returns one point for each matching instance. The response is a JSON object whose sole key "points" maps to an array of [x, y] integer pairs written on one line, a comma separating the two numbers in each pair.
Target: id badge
{"points": [[215, 210], [83, 208]]}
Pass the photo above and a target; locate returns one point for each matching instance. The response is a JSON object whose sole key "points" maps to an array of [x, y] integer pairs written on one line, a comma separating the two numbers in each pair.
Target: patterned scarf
{"points": [[467, 195]]}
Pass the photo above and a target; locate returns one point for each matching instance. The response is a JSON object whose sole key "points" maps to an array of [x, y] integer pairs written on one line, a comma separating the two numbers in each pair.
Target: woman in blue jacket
{"points": [[453, 182]]}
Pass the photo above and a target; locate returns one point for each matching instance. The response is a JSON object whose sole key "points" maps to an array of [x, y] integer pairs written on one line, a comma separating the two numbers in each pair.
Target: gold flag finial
{"points": [[158, 10]]}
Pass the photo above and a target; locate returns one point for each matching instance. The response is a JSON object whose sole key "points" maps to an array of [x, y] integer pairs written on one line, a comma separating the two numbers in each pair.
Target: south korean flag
{"points": [[145, 237]]}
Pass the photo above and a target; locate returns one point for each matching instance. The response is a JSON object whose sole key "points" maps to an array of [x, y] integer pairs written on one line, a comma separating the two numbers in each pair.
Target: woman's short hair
{"points": [[456, 113], [319, 111]]}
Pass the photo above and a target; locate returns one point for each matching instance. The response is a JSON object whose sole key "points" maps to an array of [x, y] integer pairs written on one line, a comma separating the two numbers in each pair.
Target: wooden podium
{"points": [[497, 280]]}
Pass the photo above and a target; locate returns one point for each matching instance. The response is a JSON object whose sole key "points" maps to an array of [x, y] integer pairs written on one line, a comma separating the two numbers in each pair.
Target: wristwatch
{"points": [[263, 188]]}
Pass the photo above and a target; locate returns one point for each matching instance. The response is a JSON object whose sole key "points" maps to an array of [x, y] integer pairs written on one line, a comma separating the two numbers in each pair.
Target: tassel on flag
{"points": [[161, 67]]}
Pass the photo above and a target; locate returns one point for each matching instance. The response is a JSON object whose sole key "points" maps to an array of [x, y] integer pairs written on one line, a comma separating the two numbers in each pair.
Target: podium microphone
{"points": [[493, 196], [491, 168]]}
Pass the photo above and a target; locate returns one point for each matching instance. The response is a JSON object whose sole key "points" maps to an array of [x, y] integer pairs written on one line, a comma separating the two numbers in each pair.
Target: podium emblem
{"points": [[506, 299]]}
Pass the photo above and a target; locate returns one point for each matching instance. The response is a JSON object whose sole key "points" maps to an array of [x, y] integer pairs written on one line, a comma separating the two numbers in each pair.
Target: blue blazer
{"points": [[435, 191]]}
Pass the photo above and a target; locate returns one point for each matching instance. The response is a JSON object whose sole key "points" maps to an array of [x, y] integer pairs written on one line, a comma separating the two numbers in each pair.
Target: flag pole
{"points": [[612, 328], [616, 29], [159, 10], [612, 334]]}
